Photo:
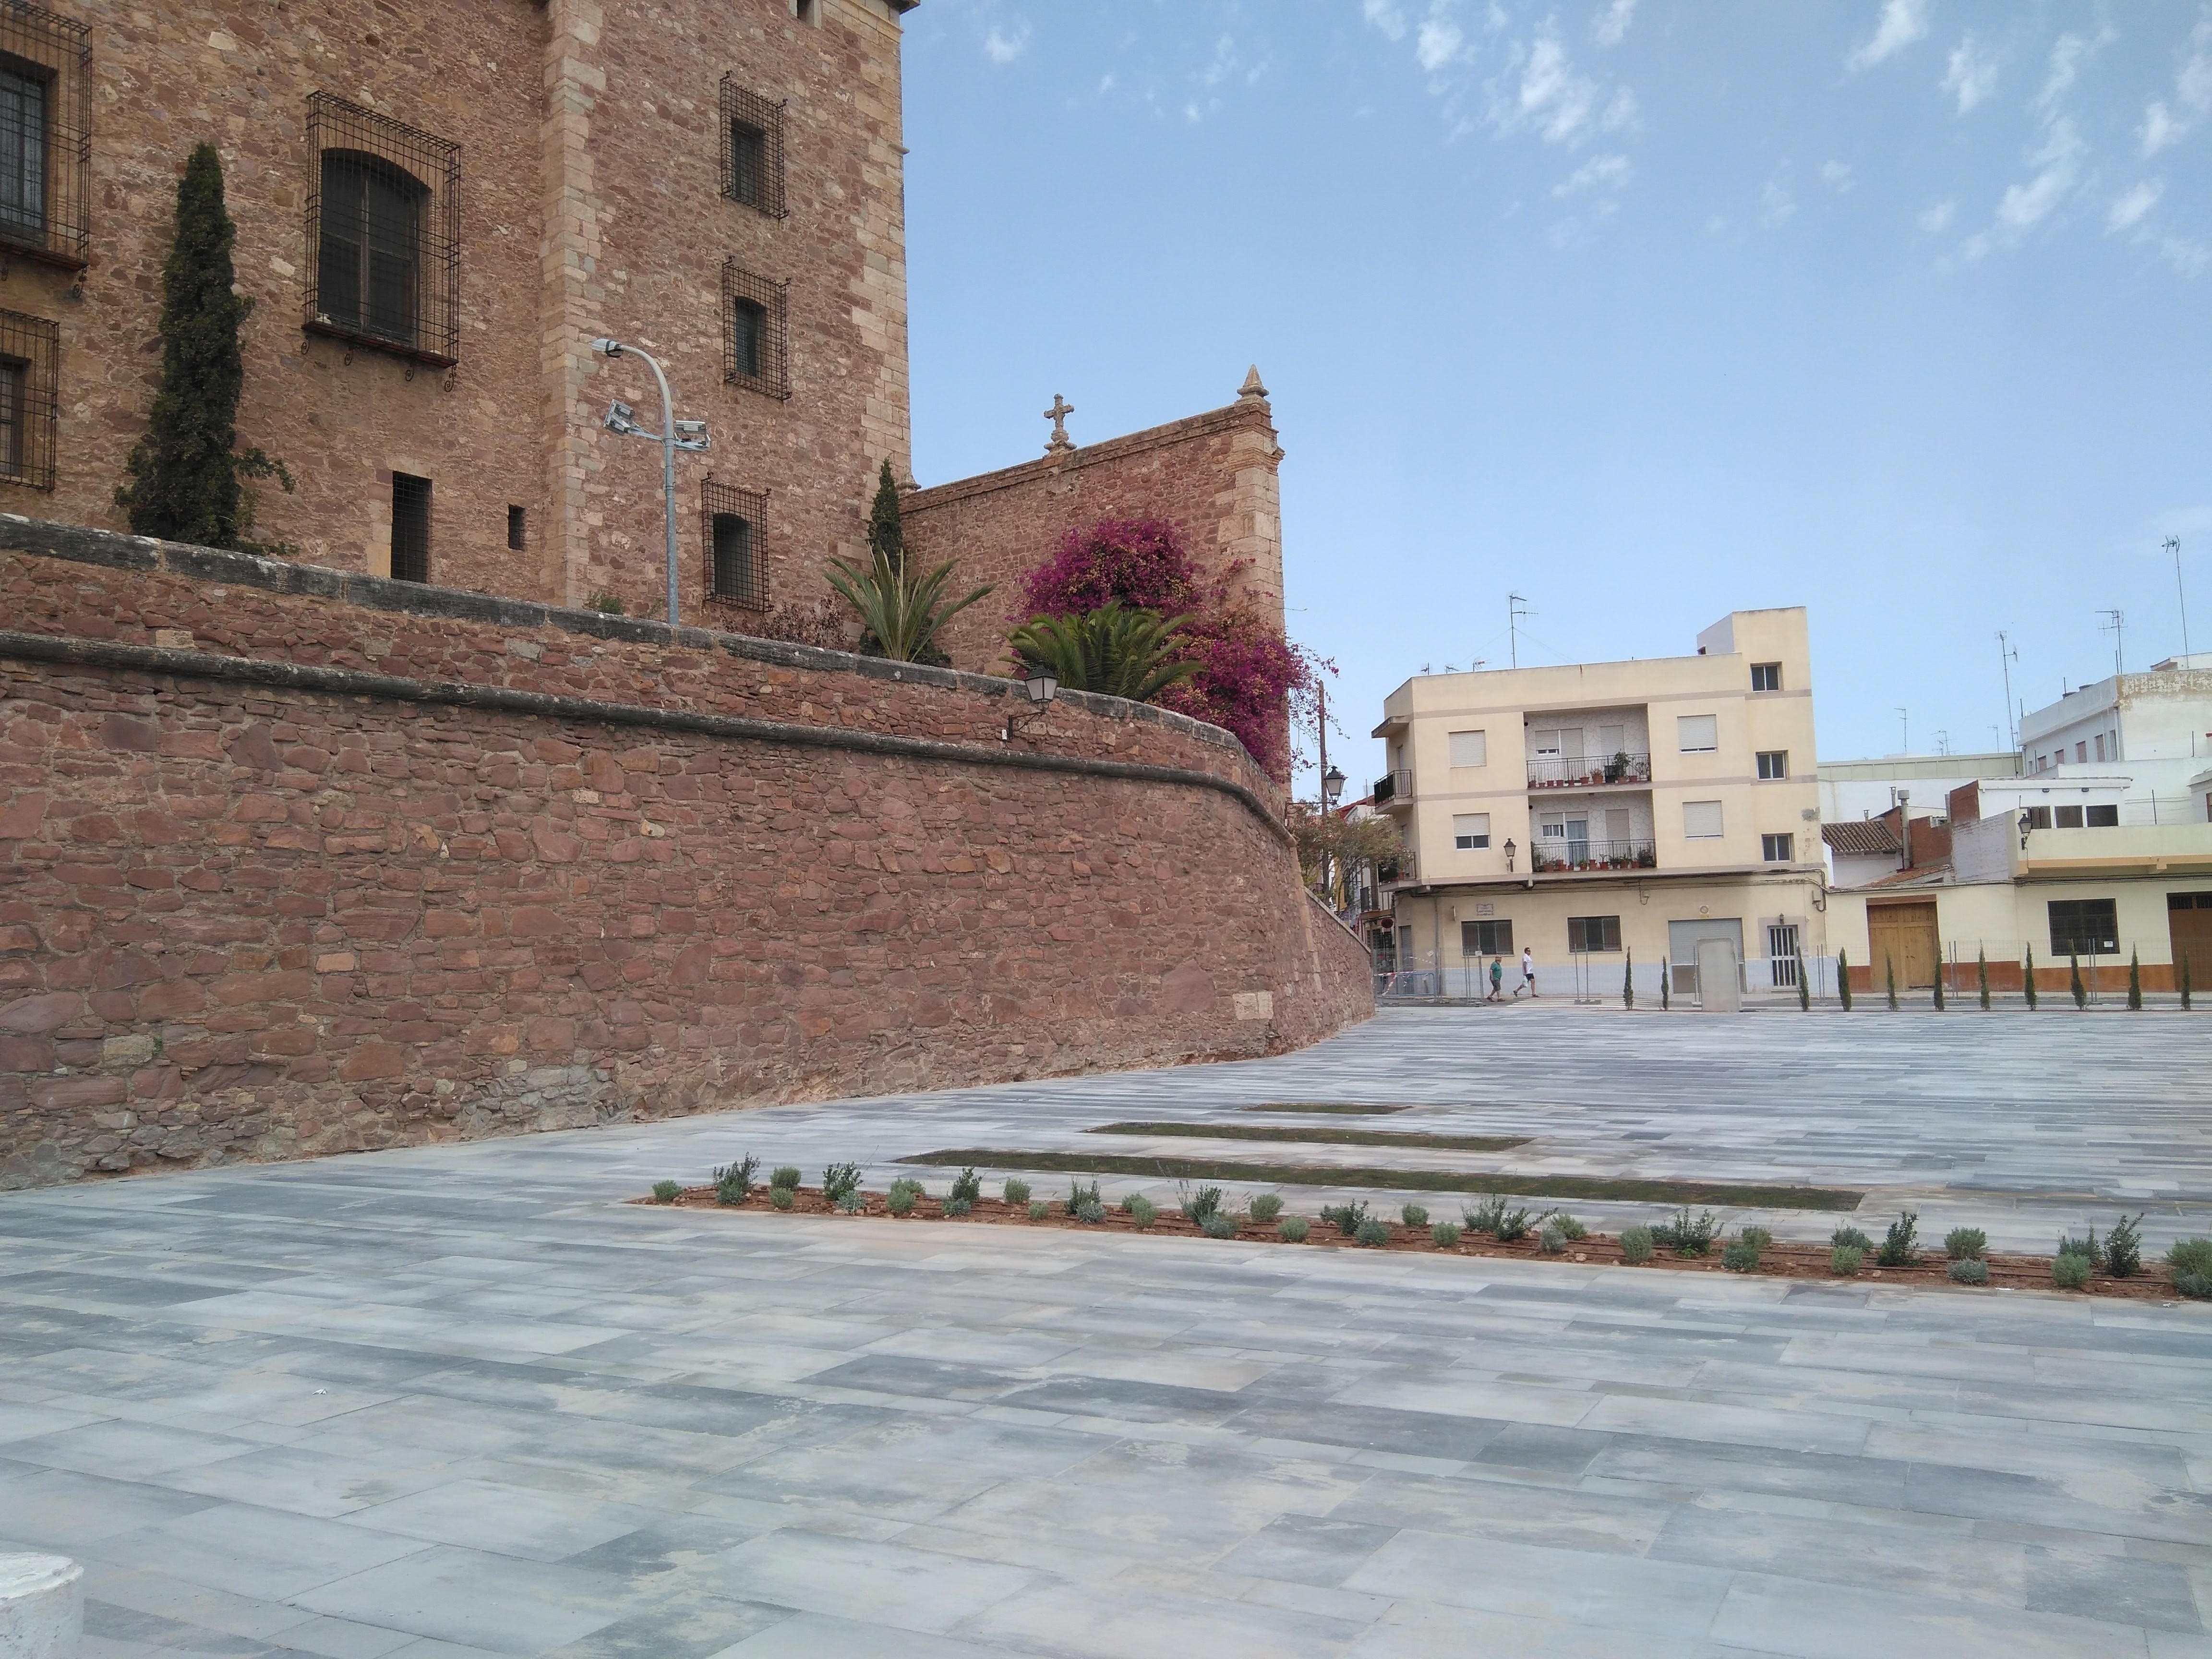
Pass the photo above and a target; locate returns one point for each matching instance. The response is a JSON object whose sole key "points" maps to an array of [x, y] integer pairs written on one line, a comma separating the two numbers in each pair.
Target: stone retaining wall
{"points": [[294, 861]]}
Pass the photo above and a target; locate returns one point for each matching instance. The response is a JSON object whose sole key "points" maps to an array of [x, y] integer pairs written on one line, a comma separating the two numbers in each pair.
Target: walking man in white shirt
{"points": [[1528, 971]]}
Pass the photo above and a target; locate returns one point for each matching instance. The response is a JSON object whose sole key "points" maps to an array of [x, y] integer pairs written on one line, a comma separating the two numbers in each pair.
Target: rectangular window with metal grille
{"points": [[30, 354], [752, 149], [1586, 933], [383, 236], [731, 526], [2084, 926], [756, 331], [46, 151], [1486, 939], [410, 528]]}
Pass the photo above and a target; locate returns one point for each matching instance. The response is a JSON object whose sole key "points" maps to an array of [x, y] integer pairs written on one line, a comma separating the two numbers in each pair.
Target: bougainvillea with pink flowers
{"points": [[1250, 679]]}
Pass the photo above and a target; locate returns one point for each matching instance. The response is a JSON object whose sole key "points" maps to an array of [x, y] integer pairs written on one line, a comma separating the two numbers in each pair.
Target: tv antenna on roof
{"points": [[2115, 625], [2173, 546], [2008, 654], [1516, 608]]}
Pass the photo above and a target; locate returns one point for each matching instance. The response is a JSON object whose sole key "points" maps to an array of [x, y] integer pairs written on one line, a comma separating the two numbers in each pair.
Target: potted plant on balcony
{"points": [[1646, 859], [1616, 769]]}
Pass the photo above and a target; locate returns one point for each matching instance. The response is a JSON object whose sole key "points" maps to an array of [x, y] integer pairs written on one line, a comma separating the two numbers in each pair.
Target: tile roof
{"points": [[1861, 837]]}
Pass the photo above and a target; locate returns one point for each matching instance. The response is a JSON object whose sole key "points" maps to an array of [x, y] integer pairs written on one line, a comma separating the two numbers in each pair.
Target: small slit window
{"points": [[30, 354], [518, 523], [385, 264], [755, 331], [410, 528], [45, 152], [752, 149], [730, 533]]}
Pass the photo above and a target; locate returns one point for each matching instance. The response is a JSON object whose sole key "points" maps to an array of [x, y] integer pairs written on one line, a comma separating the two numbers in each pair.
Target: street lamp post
{"points": [[674, 435]]}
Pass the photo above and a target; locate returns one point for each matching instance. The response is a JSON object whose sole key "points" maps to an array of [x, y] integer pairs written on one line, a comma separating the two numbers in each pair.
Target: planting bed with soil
{"points": [[1777, 1259]]}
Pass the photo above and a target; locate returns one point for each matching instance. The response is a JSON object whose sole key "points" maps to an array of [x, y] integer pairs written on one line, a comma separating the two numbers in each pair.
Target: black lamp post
{"points": [[1509, 855], [1042, 685], [1332, 785]]}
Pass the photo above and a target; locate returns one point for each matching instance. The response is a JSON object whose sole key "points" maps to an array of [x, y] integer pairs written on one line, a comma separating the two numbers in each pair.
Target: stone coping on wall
{"points": [[84, 545], [1244, 412]]}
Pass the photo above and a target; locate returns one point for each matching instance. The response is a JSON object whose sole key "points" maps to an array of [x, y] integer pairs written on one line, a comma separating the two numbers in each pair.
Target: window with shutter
{"points": [[1470, 831], [1697, 734], [1470, 749], [1701, 820]]}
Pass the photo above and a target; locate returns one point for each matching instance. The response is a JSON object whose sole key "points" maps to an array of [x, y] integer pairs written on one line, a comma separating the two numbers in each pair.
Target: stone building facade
{"points": [[439, 205]]}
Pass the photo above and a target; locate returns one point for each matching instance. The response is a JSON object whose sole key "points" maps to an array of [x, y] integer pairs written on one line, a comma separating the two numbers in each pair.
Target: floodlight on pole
{"points": [[674, 435]]}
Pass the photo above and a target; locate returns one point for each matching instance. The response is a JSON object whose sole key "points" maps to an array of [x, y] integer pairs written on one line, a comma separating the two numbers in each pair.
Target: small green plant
{"points": [[1899, 1246], [1740, 1255], [783, 1197], [1373, 1231], [1844, 978], [1758, 1237], [1016, 1191], [2197, 1287], [1551, 1241], [2185, 986], [967, 1187], [901, 610], [606, 602], [1345, 1217], [1200, 1203], [2124, 1249], [1218, 1223], [1484, 1218], [1982, 974], [666, 1192], [1843, 1261], [734, 1182], [2134, 980], [1413, 1215], [1889, 971], [1444, 1235], [2070, 1272], [850, 1203], [1966, 1243], [1628, 982], [1635, 1245], [1570, 1227], [1142, 1210], [1942, 972], [2087, 1246], [1267, 1207], [839, 1181], [900, 1200], [1970, 1271], [784, 1178], [956, 1206], [1079, 1195], [1039, 1209], [1513, 1224], [2027, 979], [1666, 994], [2190, 1255], [1851, 1237], [2074, 985], [1291, 1230], [1804, 987], [1686, 1237]]}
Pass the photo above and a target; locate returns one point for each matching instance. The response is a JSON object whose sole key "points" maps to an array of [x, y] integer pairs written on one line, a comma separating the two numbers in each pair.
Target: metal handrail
{"points": [[1561, 855], [1573, 771]]}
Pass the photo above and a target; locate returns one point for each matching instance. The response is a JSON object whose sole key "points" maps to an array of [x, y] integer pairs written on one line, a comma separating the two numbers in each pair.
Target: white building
{"points": [[2153, 730]]}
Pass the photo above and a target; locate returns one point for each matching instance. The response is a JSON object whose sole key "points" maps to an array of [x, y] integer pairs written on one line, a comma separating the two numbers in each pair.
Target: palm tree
{"points": [[1116, 650], [902, 611]]}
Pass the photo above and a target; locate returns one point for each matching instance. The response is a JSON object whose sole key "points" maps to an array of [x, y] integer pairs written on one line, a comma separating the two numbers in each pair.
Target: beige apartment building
{"points": [[1657, 809]]}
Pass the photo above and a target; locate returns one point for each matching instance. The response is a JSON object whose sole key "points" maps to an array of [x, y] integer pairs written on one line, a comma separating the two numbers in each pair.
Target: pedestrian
{"points": [[1497, 979], [1528, 970]]}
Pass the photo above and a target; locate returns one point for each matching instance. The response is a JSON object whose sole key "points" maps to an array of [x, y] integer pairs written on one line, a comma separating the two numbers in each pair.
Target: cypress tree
{"points": [[2028, 978], [2135, 981], [1843, 978], [2185, 982], [1889, 966], [1666, 994], [1981, 968], [886, 535], [2080, 996], [186, 472], [1628, 983], [1940, 975], [1804, 987]]}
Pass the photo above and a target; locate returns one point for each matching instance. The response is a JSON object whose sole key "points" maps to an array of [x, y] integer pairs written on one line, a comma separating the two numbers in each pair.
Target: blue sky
{"points": [[1648, 309]]}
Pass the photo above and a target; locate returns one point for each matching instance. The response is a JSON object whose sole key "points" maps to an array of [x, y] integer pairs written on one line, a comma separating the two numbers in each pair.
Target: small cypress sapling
{"points": [[2027, 979], [1844, 978], [2185, 982], [1940, 976], [1628, 982], [1889, 966], [2135, 981], [1899, 1249], [185, 474], [1982, 970], [1666, 991], [886, 535], [2080, 993], [2124, 1249], [1804, 987]]}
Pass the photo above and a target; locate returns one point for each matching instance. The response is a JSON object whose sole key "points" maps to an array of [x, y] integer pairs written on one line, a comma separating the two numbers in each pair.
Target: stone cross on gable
{"points": [[1058, 413]]}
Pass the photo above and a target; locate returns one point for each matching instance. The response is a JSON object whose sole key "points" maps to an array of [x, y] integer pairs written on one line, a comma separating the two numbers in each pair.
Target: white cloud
{"points": [[1837, 176], [2132, 207], [2185, 255], [1004, 45], [1605, 173], [1972, 76], [1776, 206], [1610, 27], [1441, 42], [2066, 59], [1619, 111], [2057, 163], [1384, 15], [1552, 94], [2166, 125], [1901, 23], [1933, 219]]}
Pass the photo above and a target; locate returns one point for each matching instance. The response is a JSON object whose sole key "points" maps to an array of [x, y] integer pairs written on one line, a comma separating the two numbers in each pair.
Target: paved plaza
{"points": [[463, 1400]]}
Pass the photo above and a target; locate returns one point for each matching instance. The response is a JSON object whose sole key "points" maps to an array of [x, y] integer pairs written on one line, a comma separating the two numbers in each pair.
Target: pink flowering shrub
{"points": [[1248, 675]]}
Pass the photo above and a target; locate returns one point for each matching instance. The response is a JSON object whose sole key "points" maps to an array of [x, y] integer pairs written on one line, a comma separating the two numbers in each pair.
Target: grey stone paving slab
{"points": [[464, 1400]]}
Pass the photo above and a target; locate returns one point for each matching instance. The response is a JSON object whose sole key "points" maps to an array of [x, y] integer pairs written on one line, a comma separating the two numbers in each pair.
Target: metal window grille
{"points": [[752, 149], [383, 249], [46, 134], [30, 359], [732, 538], [410, 528], [756, 331]]}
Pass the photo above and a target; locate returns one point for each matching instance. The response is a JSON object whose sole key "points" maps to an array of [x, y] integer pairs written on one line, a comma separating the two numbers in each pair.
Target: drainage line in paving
{"points": [[1270, 1131]]}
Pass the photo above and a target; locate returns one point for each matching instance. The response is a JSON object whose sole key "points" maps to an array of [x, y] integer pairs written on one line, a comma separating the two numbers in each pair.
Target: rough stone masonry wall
{"points": [[295, 861], [1214, 475]]}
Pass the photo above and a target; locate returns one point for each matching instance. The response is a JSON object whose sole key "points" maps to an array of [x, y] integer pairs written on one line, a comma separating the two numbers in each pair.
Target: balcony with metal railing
{"points": [[1568, 855], [1622, 767], [1393, 791]]}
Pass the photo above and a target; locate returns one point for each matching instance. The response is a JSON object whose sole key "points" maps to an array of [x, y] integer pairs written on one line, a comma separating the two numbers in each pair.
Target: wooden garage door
{"points": [[1904, 935], [2189, 925]]}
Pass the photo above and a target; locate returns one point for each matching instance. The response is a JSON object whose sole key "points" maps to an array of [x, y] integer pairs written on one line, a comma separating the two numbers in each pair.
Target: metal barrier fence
{"points": [[1590, 977]]}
